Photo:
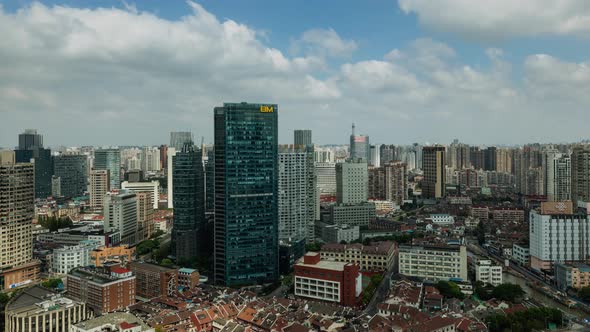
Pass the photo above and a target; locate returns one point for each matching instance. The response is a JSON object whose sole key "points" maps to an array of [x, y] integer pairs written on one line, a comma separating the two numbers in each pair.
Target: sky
{"points": [[127, 73]]}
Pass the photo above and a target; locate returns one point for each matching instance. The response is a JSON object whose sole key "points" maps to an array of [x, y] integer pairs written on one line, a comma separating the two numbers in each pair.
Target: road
{"points": [[381, 291]]}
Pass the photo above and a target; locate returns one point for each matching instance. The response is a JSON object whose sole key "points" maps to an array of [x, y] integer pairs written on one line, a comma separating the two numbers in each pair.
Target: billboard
{"points": [[566, 207]]}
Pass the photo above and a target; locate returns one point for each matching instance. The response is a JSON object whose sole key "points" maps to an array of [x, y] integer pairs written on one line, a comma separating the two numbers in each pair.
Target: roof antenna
{"points": [[353, 129]]}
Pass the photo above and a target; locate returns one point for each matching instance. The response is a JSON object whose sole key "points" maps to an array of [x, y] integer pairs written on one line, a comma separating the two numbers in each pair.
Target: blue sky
{"points": [[454, 70]]}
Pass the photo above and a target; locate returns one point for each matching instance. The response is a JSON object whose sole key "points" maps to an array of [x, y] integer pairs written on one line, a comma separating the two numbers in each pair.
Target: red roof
{"points": [[126, 325], [119, 270]]}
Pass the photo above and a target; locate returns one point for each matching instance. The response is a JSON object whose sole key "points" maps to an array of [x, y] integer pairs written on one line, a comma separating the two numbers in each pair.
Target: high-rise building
{"points": [[17, 209], [352, 181], [55, 186], [387, 153], [396, 187], [72, 171], [359, 146], [150, 159], [558, 177], [504, 160], [580, 160], [433, 164], [246, 193], [302, 137], [476, 158], [145, 215], [120, 215], [490, 161], [29, 140], [99, 186], [152, 187], [375, 155], [109, 159], [210, 180], [558, 233], [188, 230], [169, 176], [458, 155], [163, 156], [326, 178], [297, 190], [178, 138]]}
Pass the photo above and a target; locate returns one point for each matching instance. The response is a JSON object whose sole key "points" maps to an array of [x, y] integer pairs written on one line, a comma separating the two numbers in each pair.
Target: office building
{"points": [[109, 159], [351, 214], [359, 147], [55, 186], [120, 215], [39, 309], [188, 230], [487, 272], [169, 176], [433, 165], [387, 153], [433, 262], [152, 187], [558, 178], [521, 254], [67, 258], [558, 233], [178, 138], [339, 233], [572, 275], [297, 191], [580, 161], [150, 159], [246, 194], [154, 280], [352, 182], [326, 178], [302, 137], [323, 155], [104, 290], [374, 257], [145, 215], [29, 140], [98, 188], [210, 181], [328, 281], [72, 171], [375, 154], [17, 209], [30, 150]]}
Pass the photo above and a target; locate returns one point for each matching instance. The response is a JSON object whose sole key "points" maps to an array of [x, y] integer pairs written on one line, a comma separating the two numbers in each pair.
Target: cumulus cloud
{"points": [[502, 18], [125, 76], [323, 42]]}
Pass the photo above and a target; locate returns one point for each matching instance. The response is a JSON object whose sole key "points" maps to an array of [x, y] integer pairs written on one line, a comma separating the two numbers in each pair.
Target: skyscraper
{"points": [[99, 186], [246, 193], [189, 203], [302, 137], [352, 182], [120, 215], [72, 171], [30, 139], [559, 177], [581, 173], [178, 138], [375, 155], [433, 165], [109, 159], [297, 190], [359, 146], [31, 150], [150, 159], [387, 153]]}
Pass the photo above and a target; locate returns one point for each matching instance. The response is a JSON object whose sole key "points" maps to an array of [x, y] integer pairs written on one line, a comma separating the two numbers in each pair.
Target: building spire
{"points": [[353, 129]]}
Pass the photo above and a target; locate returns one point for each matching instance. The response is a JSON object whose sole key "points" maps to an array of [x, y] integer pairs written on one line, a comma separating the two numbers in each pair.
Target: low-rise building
{"points": [[505, 215], [154, 280], [487, 272], [433, 262], [480, 212], [118, 254], [188, 278], [352, 214], [103, 289], [574, 275], [39, 309], [114, 322], [339, 233], [21, 275], [521, 254], [67, 258], [442, 219], [374, 257], [326, 280]]}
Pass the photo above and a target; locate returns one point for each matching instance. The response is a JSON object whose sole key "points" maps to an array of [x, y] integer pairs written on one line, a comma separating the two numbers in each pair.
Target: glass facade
{"points": [[71, 169], [43, 168], [109, 159], [246, 189], [189, 204]]}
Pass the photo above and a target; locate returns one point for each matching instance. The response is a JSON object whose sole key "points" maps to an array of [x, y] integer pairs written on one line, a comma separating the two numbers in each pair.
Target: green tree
{"points": [[508, 292], [52, 283], [450, 289], [314, 246], [167, 262], [4, 298]]}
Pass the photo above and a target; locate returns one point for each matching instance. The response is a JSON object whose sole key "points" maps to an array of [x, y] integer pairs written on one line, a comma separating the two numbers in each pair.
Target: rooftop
{"points": [[324, 264], [97, 275], [118, 319]]}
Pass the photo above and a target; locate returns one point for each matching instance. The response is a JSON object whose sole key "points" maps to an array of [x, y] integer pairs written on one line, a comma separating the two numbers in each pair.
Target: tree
{"points": [[450, 289], [52, 283], [481, 233], [314, 246], [4, 298], [167, 262], [508, 292]]}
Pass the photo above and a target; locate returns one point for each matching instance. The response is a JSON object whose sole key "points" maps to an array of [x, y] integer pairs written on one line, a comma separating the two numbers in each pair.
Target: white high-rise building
{"points": [[152, 187], [326, 178], [559, 177], [352, 182], [169, 185], [375, 155], [323, 155], [133, 163], [558, 233], [98, 188], [297, 190], [150, 159], [120, 215]]}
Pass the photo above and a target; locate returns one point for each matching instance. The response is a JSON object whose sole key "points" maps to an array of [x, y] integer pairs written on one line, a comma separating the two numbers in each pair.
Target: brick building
{"points": [[188, 278], [103, 290], [508, 215], [327, 280], [154, 280]]}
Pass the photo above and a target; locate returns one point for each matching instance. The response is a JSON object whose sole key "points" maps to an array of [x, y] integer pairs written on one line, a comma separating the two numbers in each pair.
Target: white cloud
{"points": [[115, 76], [324, 42], [502, 18]]}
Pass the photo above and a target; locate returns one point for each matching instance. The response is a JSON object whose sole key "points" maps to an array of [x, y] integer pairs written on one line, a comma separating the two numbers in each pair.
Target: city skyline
{"points": [[402, 74]]}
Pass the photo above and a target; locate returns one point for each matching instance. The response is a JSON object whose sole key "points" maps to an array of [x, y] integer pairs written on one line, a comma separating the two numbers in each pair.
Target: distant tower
{"points": [[359, 146]]}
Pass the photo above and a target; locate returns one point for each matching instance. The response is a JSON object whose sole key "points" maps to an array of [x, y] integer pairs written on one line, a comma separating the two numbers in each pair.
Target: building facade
{"points": [[521, 254], [109, 159], [103, 290], [326, 178], [246, 193], [433, 262], [153, 187], [154, 280], [433, 165], [487, 272], [302, 137], [580, 162], [352, 182], [374, 257], [67, 258], [359, 147], [72, 171], [120, 215]]}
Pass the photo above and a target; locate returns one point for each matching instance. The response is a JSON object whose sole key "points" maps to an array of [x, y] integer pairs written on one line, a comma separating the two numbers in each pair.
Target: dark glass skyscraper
{"points": [[189, 203], [109, 159], [30, 147], [30, 139], [359, 147], [72, 171], [246, 194]]}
